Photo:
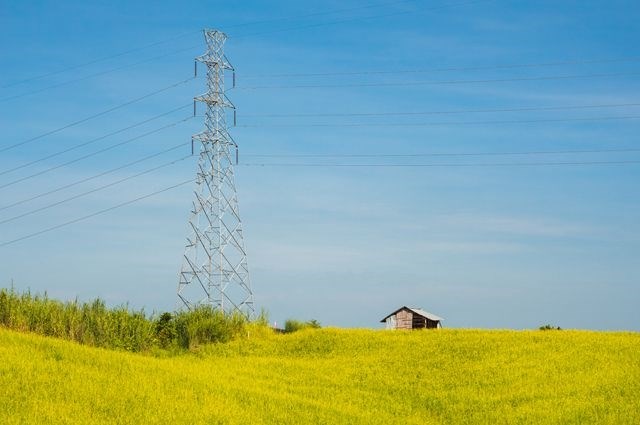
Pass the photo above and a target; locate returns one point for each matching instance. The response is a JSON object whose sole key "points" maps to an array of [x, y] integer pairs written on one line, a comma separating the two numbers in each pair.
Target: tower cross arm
{"points": [[209, 59], [215, 99]]}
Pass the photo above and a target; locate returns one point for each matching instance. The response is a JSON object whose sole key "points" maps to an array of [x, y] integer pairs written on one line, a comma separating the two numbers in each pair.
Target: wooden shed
{"points": [[412, 318]]}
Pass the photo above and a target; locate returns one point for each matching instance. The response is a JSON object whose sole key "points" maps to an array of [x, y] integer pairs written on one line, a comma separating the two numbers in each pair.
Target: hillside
{"points": [[331, 376]]}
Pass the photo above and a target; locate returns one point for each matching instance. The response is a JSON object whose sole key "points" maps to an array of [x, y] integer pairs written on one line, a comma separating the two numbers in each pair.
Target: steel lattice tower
{"points": [[214, 269]]}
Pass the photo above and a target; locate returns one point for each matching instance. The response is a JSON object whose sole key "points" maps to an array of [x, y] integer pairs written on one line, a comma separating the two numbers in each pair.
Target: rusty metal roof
{"points": [[417, 311]]}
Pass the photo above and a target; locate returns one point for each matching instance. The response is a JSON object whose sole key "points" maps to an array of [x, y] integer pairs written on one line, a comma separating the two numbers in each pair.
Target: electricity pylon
{"points": [[214, 270]]}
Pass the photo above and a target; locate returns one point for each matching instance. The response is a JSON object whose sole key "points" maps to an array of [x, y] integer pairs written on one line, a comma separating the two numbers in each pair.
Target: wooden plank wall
{"points": [[404, 319]]}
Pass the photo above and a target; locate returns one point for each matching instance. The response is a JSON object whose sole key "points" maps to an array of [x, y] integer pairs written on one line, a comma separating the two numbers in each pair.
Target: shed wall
{"points": [[404, 319], [420, 322]]}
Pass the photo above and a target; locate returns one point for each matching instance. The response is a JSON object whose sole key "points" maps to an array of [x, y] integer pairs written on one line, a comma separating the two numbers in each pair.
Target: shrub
{"points": [[166, 331], [204, 324], [549, 328], [313, 323], [292, 325]]}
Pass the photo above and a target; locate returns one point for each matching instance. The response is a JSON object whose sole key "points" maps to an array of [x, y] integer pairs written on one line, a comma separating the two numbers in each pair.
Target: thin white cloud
{"points": [[517, 225]]}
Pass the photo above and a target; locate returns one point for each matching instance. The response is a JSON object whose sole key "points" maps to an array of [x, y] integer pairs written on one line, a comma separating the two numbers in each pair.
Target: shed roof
{"points": [[417, 311]]}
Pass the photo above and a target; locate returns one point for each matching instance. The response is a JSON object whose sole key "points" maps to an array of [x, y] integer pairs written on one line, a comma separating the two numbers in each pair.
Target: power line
{"points": [[511, 66], [445, 112], [448, 69], [93, 61], [104, 173], [436, 154], [361, 18], [288, 29], [99, 114], [89, 155], [49, 229], [89, 142], [441, 82], [424, 124], [488, 164], [97, 74], [123, 53], [164, 41], [97, 189], [370, 72], [311, 15]]}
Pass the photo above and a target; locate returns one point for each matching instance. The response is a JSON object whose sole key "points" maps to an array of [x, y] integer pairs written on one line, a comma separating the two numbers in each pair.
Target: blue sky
{"points": [[485, 244]]}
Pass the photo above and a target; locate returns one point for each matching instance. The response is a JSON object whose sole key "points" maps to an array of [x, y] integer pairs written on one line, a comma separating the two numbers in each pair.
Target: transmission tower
{"points": [[214, 270]]}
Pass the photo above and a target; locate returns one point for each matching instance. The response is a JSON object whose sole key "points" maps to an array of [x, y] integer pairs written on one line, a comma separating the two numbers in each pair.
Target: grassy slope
{"points": [[331, 376]]}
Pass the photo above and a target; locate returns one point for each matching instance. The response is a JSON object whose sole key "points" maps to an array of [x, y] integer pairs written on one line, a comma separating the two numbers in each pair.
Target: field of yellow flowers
{"points": [[330, 376]]}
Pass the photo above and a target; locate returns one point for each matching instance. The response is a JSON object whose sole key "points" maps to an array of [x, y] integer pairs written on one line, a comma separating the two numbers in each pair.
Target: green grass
{"points": [[95, 324], [330, 376]]}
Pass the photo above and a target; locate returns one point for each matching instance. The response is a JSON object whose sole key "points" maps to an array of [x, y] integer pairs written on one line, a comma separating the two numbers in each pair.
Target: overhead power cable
{"points": [[439, 82], [99, 114], [405, 71], [167, 40], [94, 75], [49, 229], [94, 61], [447, 69], [436, 154], [479, 164], [362, 18], [445, 112], [316, 14], [89, 155], [136, 49], [279, 30], [433, 154], [67, 223], [97, 189], [89, 142], [442, 123], [95, 176]]}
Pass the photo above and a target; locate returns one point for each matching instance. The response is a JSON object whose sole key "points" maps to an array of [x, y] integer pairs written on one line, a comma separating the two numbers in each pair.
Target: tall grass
{"points": [[95, 324]]}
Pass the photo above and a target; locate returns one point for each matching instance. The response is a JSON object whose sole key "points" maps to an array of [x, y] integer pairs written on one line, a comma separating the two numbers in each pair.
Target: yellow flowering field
{"points": [[330, 376]]}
